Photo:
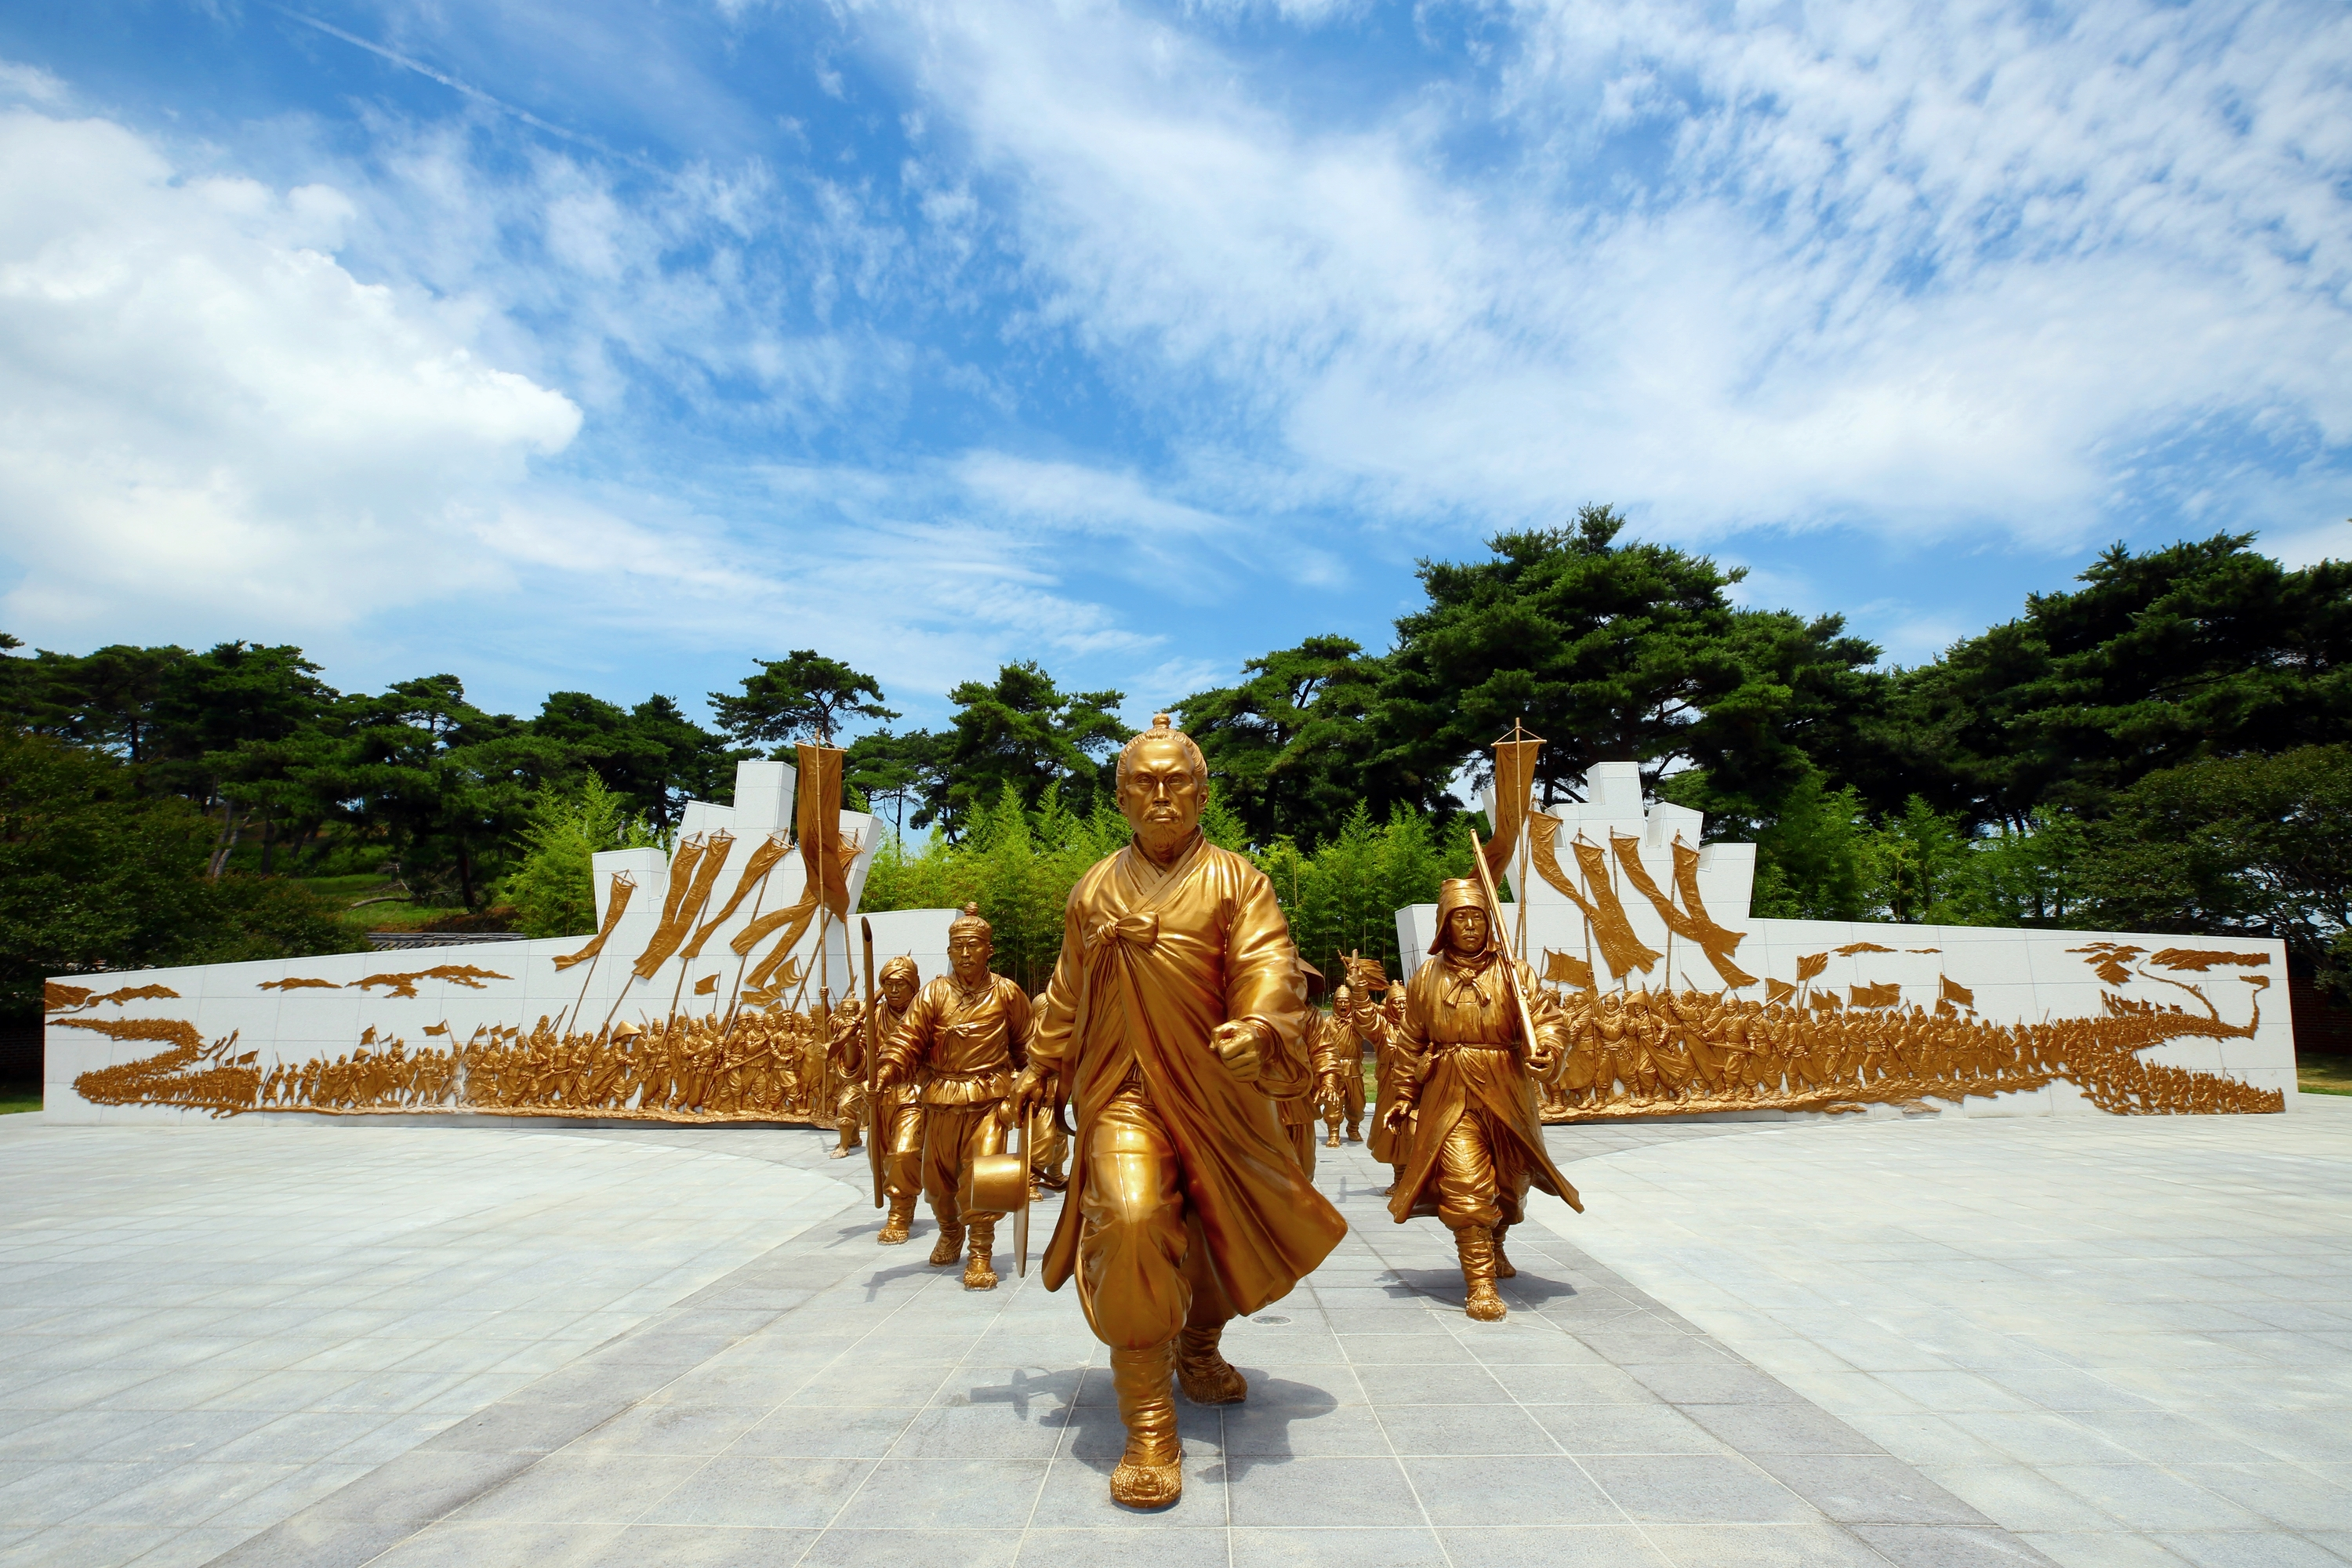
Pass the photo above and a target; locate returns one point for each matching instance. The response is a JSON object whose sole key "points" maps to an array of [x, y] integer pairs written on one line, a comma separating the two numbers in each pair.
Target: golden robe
{"points": [[1153, 961], [1391, 1056], [1457, 1035]]}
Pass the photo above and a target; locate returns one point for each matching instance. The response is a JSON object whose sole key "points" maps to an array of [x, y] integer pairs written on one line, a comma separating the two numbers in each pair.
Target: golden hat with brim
{"points": [[1457, 893], [999, 1184]]}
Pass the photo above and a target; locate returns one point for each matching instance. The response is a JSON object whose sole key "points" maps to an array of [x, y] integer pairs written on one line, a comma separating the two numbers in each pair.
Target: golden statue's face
{"points": [[900, 991], [1465, 931], [1159, 797], [968, 954]]}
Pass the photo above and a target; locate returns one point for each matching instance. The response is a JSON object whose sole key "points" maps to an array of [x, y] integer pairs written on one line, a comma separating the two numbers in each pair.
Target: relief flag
{"points": [[818, 814]]}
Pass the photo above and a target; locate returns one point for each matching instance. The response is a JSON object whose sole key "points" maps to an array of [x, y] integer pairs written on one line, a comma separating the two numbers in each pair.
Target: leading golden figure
{"points": [[1176, 1018], [1467, 1087]]}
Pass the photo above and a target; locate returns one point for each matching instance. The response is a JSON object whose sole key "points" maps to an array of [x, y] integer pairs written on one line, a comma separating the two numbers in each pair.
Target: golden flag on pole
{"points": [[1514, 775], [818, 813], [704, 862], [1566, 969], [763, 860], [615, 902]]}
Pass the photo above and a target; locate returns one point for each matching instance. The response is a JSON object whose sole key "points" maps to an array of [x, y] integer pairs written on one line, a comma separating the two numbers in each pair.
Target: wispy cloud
{"points": [[1144, 339]]}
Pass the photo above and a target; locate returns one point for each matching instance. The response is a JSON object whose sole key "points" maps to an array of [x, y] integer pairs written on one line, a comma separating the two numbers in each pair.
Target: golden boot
{"points": [[1503, 1269], [950, 1245], [1477, 1245], [848, 1140], [1205, 1376], [1150, 1472], [980, 1269], [901, 1222]]}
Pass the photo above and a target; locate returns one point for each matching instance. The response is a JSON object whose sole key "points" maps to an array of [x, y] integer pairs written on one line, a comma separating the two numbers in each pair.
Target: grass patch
{"points": [[15, 1099], [2323, 1075], [344, 892]]}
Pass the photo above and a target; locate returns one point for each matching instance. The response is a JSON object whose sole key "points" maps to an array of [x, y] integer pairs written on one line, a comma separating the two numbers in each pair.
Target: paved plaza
{"points": [[2126, 1339], [1893, 1340]]}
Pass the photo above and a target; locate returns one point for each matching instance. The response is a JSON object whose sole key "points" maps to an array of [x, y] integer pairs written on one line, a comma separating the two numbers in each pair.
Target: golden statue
{"points": [[964, 1033], [1469, 1082], [1049, 1146], [845, 1059], [1382, 1025], [897, 1112], [1176, 1017], [1339, 1068]]}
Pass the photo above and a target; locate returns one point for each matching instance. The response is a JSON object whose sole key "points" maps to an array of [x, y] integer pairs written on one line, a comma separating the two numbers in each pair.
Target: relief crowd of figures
{"points": [[1644, 1053], [1631, 1055], [774, 1066]]}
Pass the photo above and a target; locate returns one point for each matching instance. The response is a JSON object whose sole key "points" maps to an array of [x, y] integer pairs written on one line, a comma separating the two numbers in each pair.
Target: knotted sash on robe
{"points": [[1153, 961]]}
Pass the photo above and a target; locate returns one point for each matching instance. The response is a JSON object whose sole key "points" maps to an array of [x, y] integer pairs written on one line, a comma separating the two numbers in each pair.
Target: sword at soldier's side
{"points": [[1020, 1214], [872, 1063]]}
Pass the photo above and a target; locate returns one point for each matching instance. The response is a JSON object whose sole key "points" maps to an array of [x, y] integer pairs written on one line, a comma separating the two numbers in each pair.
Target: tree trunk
{"points": [[227, 840]]}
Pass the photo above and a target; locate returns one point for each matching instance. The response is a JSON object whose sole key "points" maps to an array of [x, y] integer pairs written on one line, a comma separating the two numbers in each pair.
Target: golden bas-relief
{"points": [[1642, 1053], [686, 1069]]}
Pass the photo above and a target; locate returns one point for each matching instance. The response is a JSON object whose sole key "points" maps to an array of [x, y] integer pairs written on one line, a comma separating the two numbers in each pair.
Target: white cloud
{"points": [[206, 424], [1925, 269], [29, 84]]}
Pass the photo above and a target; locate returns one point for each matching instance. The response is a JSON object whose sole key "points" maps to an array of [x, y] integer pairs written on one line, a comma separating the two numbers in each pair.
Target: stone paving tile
{"points": [[1384, 1426], [2116, 1337]]}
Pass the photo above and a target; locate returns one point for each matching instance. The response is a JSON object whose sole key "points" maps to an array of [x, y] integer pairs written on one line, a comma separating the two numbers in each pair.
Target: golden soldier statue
{"points": [[897, 1112], [1382, 1023], [1340, 1066], [845, 1063], [1176, 1017], [1049, 1146], [964, 1033], [1468, 1081]]}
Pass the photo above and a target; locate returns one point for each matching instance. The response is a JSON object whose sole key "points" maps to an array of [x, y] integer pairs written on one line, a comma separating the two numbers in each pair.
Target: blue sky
{"points": [[611, 345]]}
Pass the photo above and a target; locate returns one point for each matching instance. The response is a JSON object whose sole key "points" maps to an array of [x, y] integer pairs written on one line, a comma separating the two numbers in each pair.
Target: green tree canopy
{"points": [[1292, 748], [96, 874], [803, 695], [1613, 653], [892, 772], [2254, 845], [553, 890], [2199, 650], [652, 755], [1023, 730]]}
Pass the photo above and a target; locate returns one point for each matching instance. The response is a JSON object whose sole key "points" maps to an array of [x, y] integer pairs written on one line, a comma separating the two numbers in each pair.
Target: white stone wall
{"points": [[2014, 975], [522, 983]]}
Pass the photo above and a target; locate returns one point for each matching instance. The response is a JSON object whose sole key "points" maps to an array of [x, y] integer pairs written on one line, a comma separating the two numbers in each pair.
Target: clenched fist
{"points": [[1240, 1044]]}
